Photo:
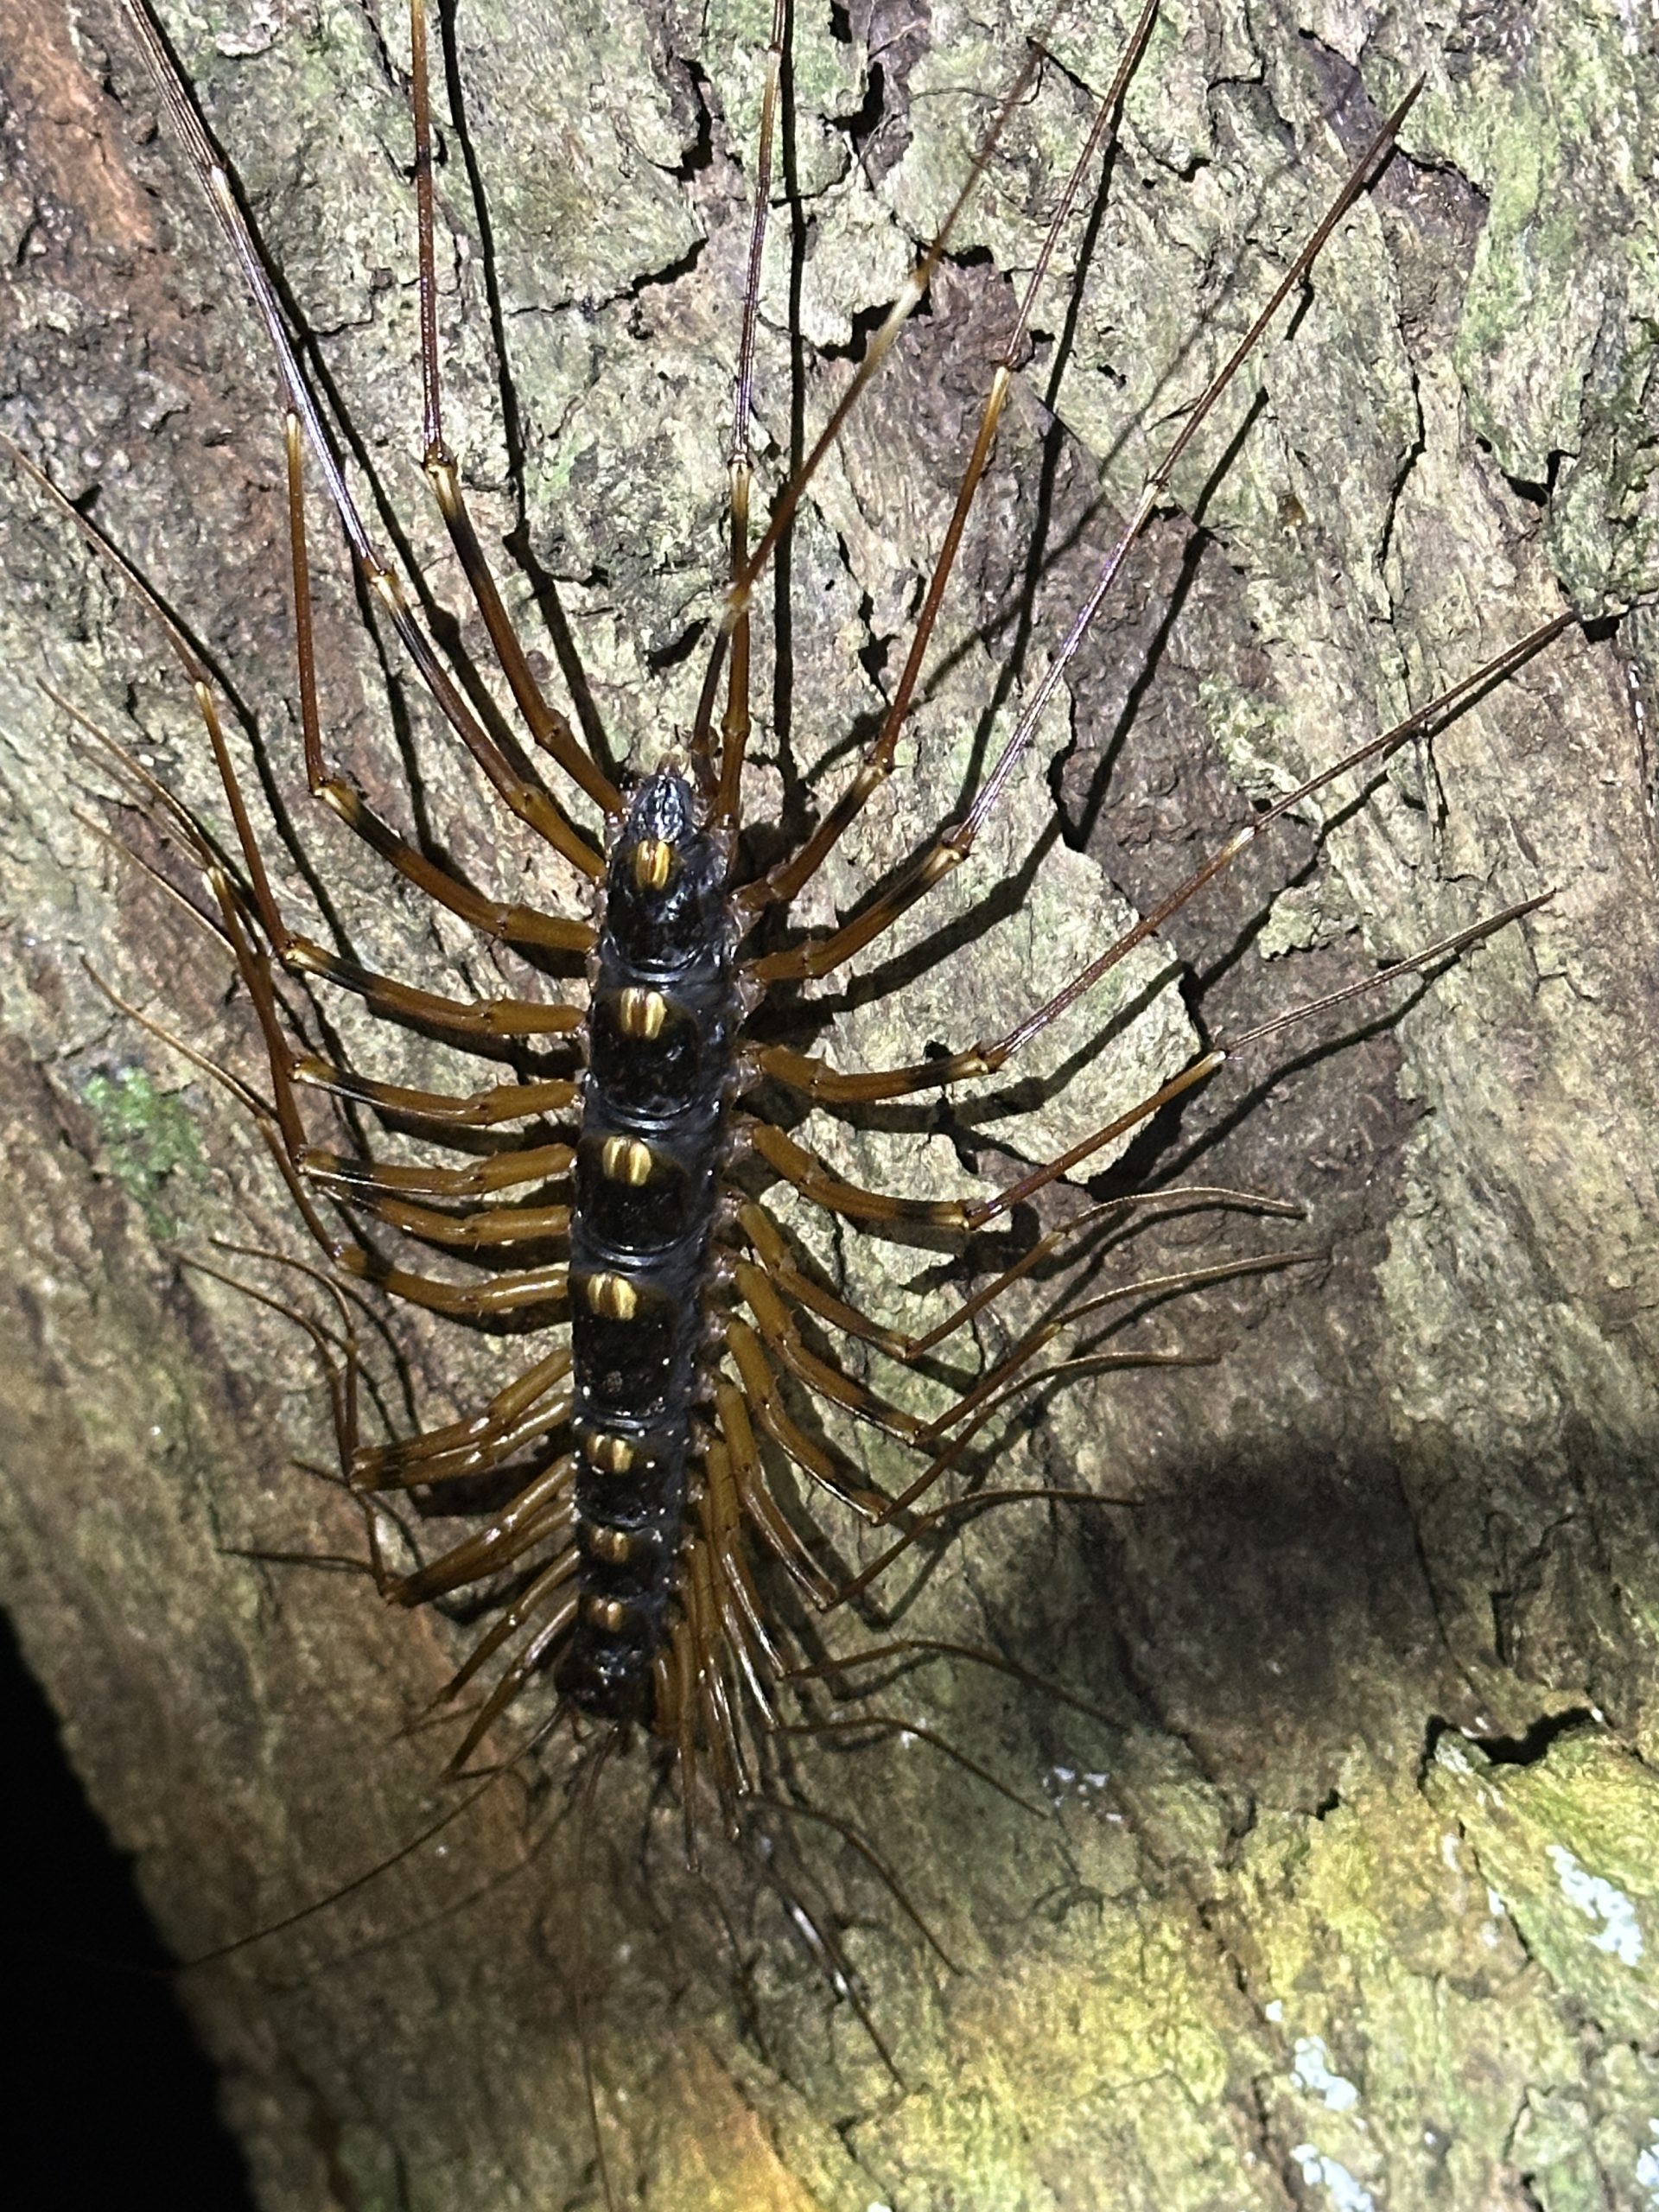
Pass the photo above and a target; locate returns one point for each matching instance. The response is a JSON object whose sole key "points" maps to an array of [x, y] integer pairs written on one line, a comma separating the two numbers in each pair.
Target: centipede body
{"points": [[1167, 1624]]}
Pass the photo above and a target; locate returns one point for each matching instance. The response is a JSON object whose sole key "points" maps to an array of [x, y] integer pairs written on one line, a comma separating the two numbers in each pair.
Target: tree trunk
{"points": [[1349, 1893]]}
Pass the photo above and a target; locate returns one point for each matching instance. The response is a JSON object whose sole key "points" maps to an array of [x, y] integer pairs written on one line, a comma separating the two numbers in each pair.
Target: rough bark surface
{"points": [[1349, 1896]]}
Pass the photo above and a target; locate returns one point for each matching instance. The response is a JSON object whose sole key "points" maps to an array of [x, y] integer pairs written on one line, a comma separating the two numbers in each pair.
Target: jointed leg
{"points": [[766, 1240], [817, 958], [790, 876], [303, 423], [506, 1408], [766, 1401], [551, 729]]}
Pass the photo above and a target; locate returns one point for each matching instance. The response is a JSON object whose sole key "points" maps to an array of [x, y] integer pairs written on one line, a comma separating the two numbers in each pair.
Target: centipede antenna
{"points": [[529, 802], [734, 730], [551, 730]]}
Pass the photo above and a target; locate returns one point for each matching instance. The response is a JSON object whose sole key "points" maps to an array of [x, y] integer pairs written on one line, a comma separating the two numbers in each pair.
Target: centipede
{"points": [[918, 890]]}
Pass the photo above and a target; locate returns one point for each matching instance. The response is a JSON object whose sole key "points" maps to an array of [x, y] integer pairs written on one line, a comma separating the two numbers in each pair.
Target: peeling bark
{"points": [[1367, 1904]]}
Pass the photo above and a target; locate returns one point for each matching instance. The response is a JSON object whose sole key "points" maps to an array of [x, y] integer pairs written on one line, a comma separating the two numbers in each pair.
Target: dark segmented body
{"points": [[662, 1026]]}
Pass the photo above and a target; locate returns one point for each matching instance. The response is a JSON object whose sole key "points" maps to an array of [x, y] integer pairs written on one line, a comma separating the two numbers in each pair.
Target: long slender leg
{"points": [[1006, 1379], [735, 727], [797, 1166], [1445, 948], [506, 1407], [347, 1177], [551, 730], [495, 1018], [758, 1503], [784, 881], [828, 1086], [767, 1241], [778, 1331], [475, 1458], [505, 1293], [542, 1511], [818, 958], [992, 1500], [1013, 1374], [725, 1511], [926, 1647], [482, 1110], [529, 1660], [479, 1109], [485, 1018], [340, 1376], [765, 1400], [499, 1226], [526, 800], [751, 1655], [892, 1724], [284, 1135]]}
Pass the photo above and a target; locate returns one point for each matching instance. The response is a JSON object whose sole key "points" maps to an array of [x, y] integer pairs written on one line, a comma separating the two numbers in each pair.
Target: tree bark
{"points": [[1348, 1895]]}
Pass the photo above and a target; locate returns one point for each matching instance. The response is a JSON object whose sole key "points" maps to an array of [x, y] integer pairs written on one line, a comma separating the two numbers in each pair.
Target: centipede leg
{"points": [[525, 1666], [542, 1512], [764, 1398], [759, 1508], [388, 1470], [954, 842], [551, 729], [790, 877], [767, 1242]]}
